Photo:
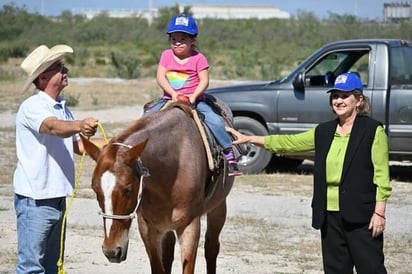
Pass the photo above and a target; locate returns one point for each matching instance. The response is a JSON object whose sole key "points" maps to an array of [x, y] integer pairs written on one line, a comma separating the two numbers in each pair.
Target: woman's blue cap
{"points": [[347, 82]]}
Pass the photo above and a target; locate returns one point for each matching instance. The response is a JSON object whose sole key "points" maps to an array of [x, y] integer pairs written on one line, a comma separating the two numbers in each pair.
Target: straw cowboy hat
{"points": [[40, 59]]}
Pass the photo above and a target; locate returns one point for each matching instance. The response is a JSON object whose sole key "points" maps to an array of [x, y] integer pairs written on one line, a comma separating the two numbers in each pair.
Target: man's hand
{"points": [[88, 126]]}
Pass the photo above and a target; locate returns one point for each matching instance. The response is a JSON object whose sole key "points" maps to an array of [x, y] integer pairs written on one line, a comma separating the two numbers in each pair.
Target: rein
{"points": [[144, 172], [70, 202]]}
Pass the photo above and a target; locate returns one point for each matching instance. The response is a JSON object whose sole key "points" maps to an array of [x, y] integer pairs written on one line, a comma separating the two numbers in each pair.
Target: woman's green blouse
{"points": [[334, 162]]}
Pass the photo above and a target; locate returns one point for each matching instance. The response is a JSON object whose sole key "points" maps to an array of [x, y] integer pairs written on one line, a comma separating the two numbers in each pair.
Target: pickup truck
{"points": [[299, 101]]}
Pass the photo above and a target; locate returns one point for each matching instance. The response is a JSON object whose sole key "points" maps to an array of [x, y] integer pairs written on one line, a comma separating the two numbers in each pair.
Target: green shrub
{"points": [[126, 66], [72, 101]]}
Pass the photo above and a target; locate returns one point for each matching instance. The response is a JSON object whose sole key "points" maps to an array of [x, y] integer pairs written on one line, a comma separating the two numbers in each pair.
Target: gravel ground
{"points": [[267, 230], [263, 234], [115, 115]]}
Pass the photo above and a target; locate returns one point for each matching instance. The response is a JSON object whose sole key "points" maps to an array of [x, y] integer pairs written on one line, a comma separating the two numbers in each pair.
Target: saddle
{"points": [[213, 150], [224, 111]]}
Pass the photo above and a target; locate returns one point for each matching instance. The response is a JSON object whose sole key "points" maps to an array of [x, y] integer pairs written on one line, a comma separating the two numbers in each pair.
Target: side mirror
{"points": [[299, 81]]}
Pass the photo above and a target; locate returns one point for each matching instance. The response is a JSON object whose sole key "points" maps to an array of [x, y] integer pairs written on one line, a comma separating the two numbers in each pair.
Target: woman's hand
{"points": [[377, 224], [242, 139], [239, 137]]}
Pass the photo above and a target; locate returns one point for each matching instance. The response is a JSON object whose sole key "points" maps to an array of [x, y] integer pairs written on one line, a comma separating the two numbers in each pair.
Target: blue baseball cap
{"points": [[182, 23], [347, 82]]}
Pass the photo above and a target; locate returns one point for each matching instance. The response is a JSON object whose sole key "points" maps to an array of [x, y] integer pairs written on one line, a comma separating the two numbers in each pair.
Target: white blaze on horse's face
{"points": [[108, 181]]}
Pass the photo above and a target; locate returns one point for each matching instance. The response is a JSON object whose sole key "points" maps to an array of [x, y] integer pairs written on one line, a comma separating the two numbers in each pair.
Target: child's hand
{"points": [[183, 98], [192, 98]]}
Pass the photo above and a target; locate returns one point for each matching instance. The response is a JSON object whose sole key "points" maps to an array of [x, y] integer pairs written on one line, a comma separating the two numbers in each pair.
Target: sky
{"points": [[366, 9]]}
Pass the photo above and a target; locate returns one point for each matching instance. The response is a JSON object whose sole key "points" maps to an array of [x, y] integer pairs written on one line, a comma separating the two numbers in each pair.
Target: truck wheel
{"points": [[256, 158]]}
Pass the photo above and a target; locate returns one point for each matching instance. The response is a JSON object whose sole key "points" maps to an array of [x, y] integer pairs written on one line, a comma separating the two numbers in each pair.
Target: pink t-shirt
{"points": [[183, 78]]}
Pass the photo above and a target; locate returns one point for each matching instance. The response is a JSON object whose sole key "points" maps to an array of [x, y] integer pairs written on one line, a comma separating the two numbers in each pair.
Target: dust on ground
{"points": [[266, 232], [268, 229]]}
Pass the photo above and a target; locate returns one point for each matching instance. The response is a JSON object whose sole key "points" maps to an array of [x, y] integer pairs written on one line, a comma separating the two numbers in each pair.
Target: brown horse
{"points": [[158, 168]]}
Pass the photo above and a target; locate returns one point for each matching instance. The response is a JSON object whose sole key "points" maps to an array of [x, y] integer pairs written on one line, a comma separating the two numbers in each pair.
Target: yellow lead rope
{"points": [[69, 205]]}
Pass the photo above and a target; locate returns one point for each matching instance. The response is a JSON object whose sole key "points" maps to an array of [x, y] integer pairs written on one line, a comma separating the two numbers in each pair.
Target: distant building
{"points": [[199, 12], [396, 12], [116, 13], [237, 12]]}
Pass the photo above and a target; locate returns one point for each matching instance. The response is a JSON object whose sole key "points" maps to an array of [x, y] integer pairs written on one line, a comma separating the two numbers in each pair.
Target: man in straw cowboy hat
{"points": [[46, 139]]}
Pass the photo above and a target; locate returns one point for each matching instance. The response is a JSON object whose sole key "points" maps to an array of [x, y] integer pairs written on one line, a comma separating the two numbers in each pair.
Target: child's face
{"points": [[181, 43]]}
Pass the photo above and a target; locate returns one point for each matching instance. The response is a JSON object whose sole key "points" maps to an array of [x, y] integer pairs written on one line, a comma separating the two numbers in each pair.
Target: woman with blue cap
{"points": [[351, 179]]}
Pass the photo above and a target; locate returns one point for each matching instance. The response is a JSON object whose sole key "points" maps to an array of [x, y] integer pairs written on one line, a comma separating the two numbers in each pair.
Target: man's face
{"points": [[56, 75]]}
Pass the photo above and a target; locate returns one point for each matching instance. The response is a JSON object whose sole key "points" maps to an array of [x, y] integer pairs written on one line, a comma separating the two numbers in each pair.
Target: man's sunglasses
{"points": [[59, 67]]}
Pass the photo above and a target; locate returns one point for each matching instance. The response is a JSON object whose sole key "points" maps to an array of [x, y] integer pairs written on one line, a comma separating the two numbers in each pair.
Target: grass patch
{"points": [[277, 184], [8, 158], [273, 242], [7, 257]]}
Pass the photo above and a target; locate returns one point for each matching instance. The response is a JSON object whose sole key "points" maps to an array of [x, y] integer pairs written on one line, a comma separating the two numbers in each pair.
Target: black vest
{"points": [[357, 192]]}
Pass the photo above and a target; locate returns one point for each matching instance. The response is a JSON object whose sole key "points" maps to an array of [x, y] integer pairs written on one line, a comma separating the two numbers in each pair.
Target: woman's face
{"points": [[181, 44], [344, 104]]}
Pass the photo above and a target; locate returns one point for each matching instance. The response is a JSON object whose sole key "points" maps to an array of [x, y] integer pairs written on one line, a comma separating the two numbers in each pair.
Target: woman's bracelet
{"points": [[380, 215]]}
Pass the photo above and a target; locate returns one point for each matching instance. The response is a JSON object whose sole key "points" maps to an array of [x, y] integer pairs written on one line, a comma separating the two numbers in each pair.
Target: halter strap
{"points": [[123, 145], [144, 172]]}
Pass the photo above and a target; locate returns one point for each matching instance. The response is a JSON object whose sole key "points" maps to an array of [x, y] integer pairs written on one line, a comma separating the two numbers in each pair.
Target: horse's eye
{"points": [[127, 190]]}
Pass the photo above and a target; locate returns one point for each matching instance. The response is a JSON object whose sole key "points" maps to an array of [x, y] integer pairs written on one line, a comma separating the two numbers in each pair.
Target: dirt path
{"points": [[267, 230], [113, 115], [246, 208], [265, 233]]}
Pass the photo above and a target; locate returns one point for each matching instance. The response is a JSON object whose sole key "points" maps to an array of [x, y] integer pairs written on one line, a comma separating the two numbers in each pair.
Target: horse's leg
{"points": [[152, 239], [168, 250], [189, 241], [215, 222]]}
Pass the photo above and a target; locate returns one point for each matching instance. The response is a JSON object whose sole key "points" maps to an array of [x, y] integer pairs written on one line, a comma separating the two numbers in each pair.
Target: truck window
{"points": [[362, 68], [325, 70], [401, 70]]}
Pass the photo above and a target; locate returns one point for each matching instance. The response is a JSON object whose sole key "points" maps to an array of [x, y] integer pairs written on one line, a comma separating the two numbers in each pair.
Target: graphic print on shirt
{"points": [[177, 79]]}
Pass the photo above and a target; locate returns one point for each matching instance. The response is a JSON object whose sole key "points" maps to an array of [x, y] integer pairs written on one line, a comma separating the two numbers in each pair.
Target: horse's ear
{"points": [[136, 151], [92, 150]]}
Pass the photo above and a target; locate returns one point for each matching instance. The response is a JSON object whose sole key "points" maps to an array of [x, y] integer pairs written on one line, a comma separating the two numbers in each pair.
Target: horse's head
{"points": [[116, 184]]}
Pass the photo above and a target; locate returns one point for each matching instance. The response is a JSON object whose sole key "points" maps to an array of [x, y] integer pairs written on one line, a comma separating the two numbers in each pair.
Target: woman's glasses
{"points": [[343, 96]]}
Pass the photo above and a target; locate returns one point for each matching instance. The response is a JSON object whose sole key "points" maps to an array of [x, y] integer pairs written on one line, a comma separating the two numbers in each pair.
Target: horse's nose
{"points": [[115, 255]]}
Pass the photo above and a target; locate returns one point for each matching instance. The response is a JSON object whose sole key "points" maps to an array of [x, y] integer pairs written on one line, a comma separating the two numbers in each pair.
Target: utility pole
{"points": [[150, 11], [356, 8]]}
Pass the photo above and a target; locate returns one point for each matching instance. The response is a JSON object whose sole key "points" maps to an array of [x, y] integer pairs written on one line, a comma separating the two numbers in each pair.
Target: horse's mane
{"points": [[144, 121], [183, 106]]}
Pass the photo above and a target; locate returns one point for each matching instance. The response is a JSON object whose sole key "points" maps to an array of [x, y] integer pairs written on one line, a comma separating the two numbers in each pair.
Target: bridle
{"points": [[144, 172]]}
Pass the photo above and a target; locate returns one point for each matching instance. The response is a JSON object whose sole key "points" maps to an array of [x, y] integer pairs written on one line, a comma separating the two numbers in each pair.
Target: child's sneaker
{"points": [[233, 169]]}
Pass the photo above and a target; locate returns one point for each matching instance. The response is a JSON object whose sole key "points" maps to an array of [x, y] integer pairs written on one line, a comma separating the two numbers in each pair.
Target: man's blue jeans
{"points": [[39, 224]]}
